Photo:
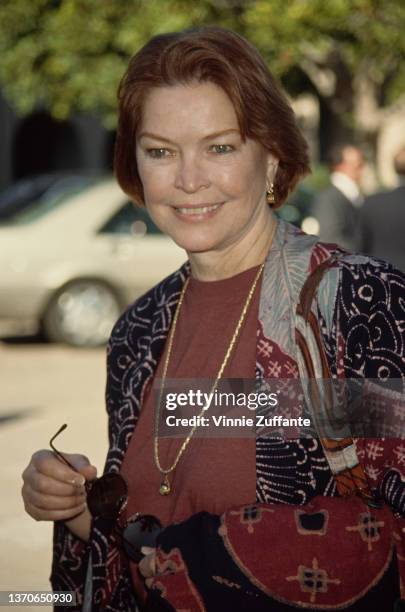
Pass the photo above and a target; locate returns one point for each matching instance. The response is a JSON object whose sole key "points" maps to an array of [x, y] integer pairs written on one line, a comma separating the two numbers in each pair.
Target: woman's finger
{"points": [[53, 502], [147, 566], [49, 486], [47, 463], [53, 515]]}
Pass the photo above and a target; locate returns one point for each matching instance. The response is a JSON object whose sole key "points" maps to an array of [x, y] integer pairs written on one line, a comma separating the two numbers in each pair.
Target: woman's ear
{"points": [[272, 165]]}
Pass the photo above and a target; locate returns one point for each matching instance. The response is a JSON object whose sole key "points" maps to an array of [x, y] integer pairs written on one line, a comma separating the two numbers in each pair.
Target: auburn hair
{"points": [[220, 56]]}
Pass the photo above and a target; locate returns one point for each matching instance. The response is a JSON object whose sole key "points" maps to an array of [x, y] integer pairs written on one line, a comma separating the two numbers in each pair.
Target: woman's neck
{"points": [[250, 251]]}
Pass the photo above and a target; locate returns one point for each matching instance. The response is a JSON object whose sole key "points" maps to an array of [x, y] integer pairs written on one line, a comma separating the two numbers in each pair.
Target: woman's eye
{"points": [[222, 148], [158, 153]]}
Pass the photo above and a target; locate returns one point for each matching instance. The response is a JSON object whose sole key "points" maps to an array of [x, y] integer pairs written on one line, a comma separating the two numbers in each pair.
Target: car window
{"points": [[130, 220], [56, 195]]}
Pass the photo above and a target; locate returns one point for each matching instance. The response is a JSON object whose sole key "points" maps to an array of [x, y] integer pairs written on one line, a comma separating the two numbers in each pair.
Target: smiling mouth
{"points": [[197, 210]]}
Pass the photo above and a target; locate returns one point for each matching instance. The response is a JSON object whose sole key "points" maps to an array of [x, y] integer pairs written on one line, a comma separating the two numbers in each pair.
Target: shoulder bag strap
{"points": [[340, 451]]}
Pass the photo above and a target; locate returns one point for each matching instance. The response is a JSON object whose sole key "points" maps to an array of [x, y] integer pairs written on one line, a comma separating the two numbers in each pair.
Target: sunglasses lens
{"points": [[142, 532], [107, 495]]}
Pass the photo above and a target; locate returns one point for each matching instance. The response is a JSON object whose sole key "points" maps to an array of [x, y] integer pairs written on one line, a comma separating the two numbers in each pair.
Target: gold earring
{"points": [[270, 194]]}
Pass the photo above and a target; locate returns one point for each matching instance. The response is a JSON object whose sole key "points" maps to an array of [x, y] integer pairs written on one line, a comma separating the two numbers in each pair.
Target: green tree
{"points": [[68, 55], [350, 53]]}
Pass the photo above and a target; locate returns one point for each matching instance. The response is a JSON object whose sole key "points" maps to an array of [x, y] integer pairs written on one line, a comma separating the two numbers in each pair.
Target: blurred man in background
{"points": [[337, 209], [383, 220]]}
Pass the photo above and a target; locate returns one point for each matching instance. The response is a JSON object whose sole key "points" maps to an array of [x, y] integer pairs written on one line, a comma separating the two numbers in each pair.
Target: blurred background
{"points": [[74, 251]]}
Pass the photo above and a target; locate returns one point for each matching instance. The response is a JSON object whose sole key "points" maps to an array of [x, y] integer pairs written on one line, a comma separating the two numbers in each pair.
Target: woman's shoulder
{"points": [[362, 280], [309, 253], [355, 268], [356, 288], [360, 305], [368, 278]]}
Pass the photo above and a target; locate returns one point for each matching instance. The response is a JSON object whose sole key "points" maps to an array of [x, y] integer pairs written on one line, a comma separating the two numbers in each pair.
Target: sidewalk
{"points": [[41, 387]]}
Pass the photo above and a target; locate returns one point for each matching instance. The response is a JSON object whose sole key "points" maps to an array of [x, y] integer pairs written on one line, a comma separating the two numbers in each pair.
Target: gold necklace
{"points": [[165, 487]]}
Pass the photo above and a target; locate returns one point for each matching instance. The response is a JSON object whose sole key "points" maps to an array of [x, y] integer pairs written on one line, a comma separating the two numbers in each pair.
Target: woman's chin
{"points": [[194, 247], [196, 243]]}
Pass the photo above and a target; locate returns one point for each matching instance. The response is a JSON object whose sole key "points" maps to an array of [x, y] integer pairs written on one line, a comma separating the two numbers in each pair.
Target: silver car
{"points": [[70, 264]]}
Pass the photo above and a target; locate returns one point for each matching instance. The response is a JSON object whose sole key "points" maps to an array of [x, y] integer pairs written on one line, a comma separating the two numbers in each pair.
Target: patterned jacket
{"points": [[360, 307]]}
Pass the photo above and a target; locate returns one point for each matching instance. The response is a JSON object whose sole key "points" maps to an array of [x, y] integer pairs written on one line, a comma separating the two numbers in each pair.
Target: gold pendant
{"points": [[165, 488]]}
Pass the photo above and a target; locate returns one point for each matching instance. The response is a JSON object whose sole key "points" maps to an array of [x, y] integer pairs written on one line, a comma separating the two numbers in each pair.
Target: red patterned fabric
{"points": [[307, 571]]}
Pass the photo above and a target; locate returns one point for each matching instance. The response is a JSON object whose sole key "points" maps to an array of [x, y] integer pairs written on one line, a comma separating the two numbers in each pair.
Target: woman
{"points": [[209, 144]]}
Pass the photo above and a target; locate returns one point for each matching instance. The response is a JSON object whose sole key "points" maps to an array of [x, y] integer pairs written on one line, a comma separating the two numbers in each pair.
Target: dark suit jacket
{"points": [[383, 226], [338, 219]]}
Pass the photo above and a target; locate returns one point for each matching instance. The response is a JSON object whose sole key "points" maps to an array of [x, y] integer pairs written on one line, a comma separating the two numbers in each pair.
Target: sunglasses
{"points": [[106, 498]]}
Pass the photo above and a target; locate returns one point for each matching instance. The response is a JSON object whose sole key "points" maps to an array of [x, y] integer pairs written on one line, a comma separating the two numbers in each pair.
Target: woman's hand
{"points": [[147, 566], [54, 492]]}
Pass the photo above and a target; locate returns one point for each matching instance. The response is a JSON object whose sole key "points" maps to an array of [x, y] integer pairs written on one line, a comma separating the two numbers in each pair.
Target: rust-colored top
{"points": [[213, 474]]}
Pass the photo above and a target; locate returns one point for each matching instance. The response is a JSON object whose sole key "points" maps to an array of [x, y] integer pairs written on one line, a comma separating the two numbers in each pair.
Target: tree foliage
{"points": [[345, 49], [68, 55]]}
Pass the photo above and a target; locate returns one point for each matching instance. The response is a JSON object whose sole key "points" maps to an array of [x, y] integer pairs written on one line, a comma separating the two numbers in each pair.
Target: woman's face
{"points": [[203, 185]]}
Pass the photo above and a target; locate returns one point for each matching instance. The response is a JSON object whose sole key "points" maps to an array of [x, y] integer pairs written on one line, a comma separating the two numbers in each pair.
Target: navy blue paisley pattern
{"points": [[291, 472]]}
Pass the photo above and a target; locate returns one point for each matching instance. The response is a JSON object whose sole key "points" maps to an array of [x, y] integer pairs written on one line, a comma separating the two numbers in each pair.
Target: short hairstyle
{"points": [[335, 155], [217, 55]]}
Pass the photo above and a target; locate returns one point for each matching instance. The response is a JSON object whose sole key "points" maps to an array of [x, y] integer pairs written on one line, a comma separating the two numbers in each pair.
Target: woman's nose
{"points": [[190, 176]]}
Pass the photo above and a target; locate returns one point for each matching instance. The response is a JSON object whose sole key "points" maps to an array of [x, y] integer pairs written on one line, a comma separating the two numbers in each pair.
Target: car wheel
{"points": [[82, 314]]}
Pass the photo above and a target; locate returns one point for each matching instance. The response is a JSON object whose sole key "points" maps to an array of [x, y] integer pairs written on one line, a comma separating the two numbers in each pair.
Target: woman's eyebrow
{"points": [[221, 133], [207, 137], [154, 137]]}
